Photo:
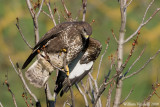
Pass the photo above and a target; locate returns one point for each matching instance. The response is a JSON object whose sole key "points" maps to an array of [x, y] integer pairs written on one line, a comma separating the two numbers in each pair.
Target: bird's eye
{"points": [[85, 30]]}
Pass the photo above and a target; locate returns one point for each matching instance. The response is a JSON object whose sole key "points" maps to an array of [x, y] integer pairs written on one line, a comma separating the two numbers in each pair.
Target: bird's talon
{"points": [[64, 50]]}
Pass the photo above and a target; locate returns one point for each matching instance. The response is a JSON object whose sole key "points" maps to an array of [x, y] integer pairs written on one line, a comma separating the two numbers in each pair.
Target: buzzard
{"points": [[79, 67], [56, 49]]}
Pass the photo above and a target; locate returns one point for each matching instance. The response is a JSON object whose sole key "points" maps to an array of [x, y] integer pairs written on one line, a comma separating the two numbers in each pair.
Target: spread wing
{"points": [[81, 65], [54, 32]]}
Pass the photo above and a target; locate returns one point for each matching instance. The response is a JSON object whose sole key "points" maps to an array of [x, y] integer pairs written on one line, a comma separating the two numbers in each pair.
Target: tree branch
{"points": [[84, 3], [133, 64], [51, 14], [107, 44], [23, 81], [147, 62], [83, 94], [13, 97], [20, 31], [109, 95], [40, 9], [143, 23], [1, 104], [127, 96], [119, 83]]}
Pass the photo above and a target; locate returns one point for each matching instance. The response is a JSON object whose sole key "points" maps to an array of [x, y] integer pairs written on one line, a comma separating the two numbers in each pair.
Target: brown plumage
{"points": [[79, 67], [71, 36]]}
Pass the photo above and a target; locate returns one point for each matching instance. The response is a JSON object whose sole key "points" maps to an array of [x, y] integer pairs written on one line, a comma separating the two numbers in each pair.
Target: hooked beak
{"points": [[86, 36]]}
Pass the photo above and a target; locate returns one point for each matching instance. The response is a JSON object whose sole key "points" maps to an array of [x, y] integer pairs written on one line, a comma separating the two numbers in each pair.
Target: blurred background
{"points": [[106, 14]]}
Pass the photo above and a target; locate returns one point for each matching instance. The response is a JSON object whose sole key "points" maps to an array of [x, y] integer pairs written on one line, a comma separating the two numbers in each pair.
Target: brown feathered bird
{"points": [[79, 67], [57, 48]]}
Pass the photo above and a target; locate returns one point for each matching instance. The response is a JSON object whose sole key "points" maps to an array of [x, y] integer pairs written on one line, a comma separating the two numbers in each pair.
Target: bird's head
{"points": [[85, 29]]}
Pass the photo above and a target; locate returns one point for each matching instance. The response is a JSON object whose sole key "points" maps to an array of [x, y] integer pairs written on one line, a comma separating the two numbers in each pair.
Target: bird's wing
{"points": [[84, 65], [54, 32]]}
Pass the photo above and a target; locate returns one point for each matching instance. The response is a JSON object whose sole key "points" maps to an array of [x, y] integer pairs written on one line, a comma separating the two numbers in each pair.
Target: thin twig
{"points": [[128, 3], [13, 97], [25, 99], [84, 5], [114, 36], [30, 8], [110, 95], [66, 102], [107, 44], [127, 96], [46, 14], [39, 11], [22, 78], [153, 92], [66, 10], [91, 88], [143, 23], [133, 64], [1, 104], [147, 62], [72, 97], [51, 14], [103, 86], [20, 31], [83, 94], [86, 91]]}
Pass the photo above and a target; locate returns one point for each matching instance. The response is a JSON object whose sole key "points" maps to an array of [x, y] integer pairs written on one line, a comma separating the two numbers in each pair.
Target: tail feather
{"points": [[37, 74], [29, 59]]}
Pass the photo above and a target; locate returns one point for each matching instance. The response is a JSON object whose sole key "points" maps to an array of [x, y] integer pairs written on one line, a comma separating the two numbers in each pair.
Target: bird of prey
{"points": [[56, 49], [79, 67]]}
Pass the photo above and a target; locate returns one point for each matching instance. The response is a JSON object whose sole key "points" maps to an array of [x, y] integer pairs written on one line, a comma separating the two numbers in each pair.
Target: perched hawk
{"points": [[79, 67], [58, 47]]}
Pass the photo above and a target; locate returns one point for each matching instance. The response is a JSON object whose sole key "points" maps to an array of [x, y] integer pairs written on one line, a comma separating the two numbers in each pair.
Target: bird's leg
{"points": [[66, 68], [62, 50], [46, 56]]}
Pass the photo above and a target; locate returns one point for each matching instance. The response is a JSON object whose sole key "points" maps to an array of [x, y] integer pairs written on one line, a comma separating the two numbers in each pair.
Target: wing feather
{"points": [[54, 32]]}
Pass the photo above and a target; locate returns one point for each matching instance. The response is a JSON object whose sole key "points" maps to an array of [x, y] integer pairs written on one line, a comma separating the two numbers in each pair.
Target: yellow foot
{"points": [[64, 50], [67, 70]]}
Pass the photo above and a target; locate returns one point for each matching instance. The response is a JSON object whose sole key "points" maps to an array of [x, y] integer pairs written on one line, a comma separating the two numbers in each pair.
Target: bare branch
{"points": [[72, 97], [123, 11], [91, 88], [66, 102], [143, 23], [86, 91], [20, 31], [84, 3], [39, 11], [104, 85], [147, 62], [51, 14], [128, 3], [1, 104], [107, 44], [30, 8], [109, 94], [114, 36], [127, 96], [22, 78], [25, 99], [153, 92], [13, 97], [46, 14], [133, 64], [66, 10], [83, 94]]}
